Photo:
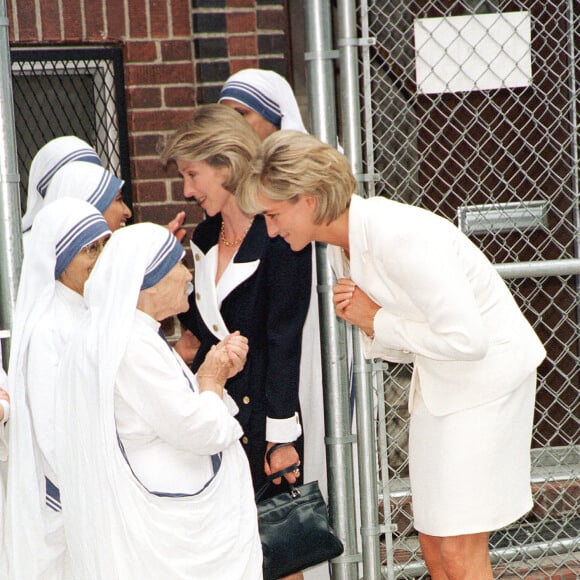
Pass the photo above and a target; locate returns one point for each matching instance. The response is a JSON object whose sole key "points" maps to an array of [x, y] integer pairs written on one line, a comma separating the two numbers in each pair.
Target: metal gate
{"points": [[470, 110]]}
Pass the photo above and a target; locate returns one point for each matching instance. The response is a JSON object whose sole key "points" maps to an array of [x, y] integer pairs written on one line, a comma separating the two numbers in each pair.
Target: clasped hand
{"points": [[354, 305], [224, 360]]}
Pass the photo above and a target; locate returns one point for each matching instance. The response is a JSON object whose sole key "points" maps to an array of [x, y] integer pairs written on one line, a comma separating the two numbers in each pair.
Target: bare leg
{"points": [[296, 576], [463, 557]]}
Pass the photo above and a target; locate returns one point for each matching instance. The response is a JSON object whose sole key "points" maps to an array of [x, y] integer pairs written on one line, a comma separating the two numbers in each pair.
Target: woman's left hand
{"points": [[280, 459], [354, 305]]}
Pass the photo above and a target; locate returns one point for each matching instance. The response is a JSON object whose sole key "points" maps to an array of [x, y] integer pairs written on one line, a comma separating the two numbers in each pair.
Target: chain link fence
{"points": [[473, 114]]}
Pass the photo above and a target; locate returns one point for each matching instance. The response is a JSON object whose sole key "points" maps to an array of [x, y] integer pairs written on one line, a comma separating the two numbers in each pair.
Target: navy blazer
{"points": [[267, 299]]}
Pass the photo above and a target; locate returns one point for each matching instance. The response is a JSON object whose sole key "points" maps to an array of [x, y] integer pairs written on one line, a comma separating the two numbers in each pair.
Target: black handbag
{"points": [[294, 529]]}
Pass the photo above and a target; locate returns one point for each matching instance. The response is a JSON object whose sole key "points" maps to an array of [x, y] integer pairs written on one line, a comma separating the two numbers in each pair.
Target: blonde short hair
{"points": [[289, 164], [217, 135]]}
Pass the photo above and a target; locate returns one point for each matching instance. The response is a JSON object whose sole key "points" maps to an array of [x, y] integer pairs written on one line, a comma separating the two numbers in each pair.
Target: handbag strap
{"points": [[274, 447], [271, 478]]}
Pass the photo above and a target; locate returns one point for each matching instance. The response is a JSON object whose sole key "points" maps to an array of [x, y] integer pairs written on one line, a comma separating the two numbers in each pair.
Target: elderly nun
{"points": [[47, 161], [153, 477], [64, 243]]}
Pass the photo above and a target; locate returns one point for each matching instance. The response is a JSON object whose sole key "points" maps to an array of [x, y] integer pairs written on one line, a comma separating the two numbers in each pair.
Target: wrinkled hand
{"points": [[215, 369], [237, 348], [354, 305], [174, 226], [280, 459]]}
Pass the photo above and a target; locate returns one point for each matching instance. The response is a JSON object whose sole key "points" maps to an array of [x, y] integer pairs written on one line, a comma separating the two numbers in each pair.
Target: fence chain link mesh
{"points": [[491, 142]]}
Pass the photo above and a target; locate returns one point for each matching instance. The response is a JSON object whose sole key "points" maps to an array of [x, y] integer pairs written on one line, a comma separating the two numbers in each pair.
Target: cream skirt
{"points": [[470, 470]]}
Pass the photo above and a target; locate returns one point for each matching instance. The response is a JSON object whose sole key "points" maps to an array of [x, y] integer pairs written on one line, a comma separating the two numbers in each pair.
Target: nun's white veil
{"points": [[47, 161], [84, 180], [267, 93], [60, 231]]}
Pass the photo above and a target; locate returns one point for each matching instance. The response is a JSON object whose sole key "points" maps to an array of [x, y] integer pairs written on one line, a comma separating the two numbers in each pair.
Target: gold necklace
{"points": [[237, 241]]}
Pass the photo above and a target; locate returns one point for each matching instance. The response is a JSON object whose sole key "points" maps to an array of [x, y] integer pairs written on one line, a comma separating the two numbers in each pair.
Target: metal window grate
{"points": [[72, 91]]}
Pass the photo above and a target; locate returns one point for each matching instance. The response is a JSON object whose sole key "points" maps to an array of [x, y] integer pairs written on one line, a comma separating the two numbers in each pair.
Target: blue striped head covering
{"points": [[267, 93], [76, 235], [48, 160], [254, 98], [85, 181], [86, 154], [169, 254]]}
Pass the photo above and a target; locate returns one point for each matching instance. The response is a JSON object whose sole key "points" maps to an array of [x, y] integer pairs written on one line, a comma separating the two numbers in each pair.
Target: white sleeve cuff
{"points": [[283, 430], [6, 406]]}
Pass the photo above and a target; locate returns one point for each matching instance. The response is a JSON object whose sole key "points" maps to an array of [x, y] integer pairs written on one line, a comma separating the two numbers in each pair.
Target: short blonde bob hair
{"points": [[217, 135], [290, 164]]}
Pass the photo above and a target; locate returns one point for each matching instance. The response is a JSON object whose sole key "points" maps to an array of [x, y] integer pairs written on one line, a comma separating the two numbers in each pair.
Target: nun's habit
{"points": [[155, 482], [46, 311], [267, 93], [47, 161]]}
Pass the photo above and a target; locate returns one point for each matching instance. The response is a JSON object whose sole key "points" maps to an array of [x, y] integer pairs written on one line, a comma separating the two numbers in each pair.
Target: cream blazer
{"points": [[443, 306]]}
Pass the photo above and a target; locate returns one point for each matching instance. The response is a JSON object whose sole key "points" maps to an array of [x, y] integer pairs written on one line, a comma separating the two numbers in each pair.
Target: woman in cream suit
{"points": [[421, 292]]}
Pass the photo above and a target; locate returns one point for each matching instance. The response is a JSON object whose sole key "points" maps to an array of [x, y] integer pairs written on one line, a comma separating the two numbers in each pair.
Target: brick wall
{"points": [[177, 53]]}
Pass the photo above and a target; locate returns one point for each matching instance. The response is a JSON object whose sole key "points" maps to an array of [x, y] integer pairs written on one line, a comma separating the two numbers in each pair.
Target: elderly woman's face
{"points": [[263, 127], [170, 294], [77, 272]]}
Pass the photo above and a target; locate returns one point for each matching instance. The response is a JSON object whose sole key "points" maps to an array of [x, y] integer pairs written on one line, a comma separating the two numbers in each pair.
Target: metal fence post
{"points": [[10, 231], [321, 93]]}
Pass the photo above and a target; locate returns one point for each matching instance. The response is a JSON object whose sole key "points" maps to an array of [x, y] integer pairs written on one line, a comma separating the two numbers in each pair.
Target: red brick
{"points": [[11, 23], [50, 19], [148, 168], [143, 98], [181, 18], [145, 145], [115, 14], [240, 3], [94, 23], [156, 120], [26, 16], [137, 19], [148, 191], [271, 20], [179, 96], [173, 50], [241, 22], [159, 74], [142, 51], [160, 213], [176, 187], [158, 17], [236, 65], [242, 45], [71, 16]]}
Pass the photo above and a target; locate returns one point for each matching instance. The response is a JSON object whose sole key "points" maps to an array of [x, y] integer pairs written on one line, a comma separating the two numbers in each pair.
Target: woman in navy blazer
{"points": [[421, 292], [246, 281]]}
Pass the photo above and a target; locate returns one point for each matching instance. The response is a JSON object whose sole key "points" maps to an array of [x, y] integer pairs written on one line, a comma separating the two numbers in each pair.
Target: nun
{"points": [[153, 477], [101, 188], [65, 242], [265, 99], [55, 154]]}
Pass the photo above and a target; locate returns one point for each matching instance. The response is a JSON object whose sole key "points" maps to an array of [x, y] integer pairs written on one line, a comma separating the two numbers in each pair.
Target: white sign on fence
{"points": [[475, 52]]}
